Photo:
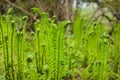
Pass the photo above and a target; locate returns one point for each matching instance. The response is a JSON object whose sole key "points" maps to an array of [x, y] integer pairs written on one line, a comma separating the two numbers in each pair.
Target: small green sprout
{"points": [[30, 58]]}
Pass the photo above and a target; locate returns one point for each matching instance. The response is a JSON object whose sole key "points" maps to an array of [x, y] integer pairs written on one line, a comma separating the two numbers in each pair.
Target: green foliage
{"points": [[50, 53], [96, 46]]}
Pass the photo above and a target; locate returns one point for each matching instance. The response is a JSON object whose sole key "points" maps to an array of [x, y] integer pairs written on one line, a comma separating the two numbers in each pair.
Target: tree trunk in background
{"points": [[68, 7]]}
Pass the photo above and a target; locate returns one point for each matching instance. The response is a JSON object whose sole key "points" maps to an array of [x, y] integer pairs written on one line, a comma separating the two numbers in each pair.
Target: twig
{"points": [[20, 8]]}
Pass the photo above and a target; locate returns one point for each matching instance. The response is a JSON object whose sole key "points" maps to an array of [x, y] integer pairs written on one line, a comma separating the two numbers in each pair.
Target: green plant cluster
{"points": [[100, 50], [52, 53], [47, 43]]}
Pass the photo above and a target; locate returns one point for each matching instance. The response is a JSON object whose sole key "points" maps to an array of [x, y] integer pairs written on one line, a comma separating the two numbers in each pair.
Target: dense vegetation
{"points": [[52, 53]]}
